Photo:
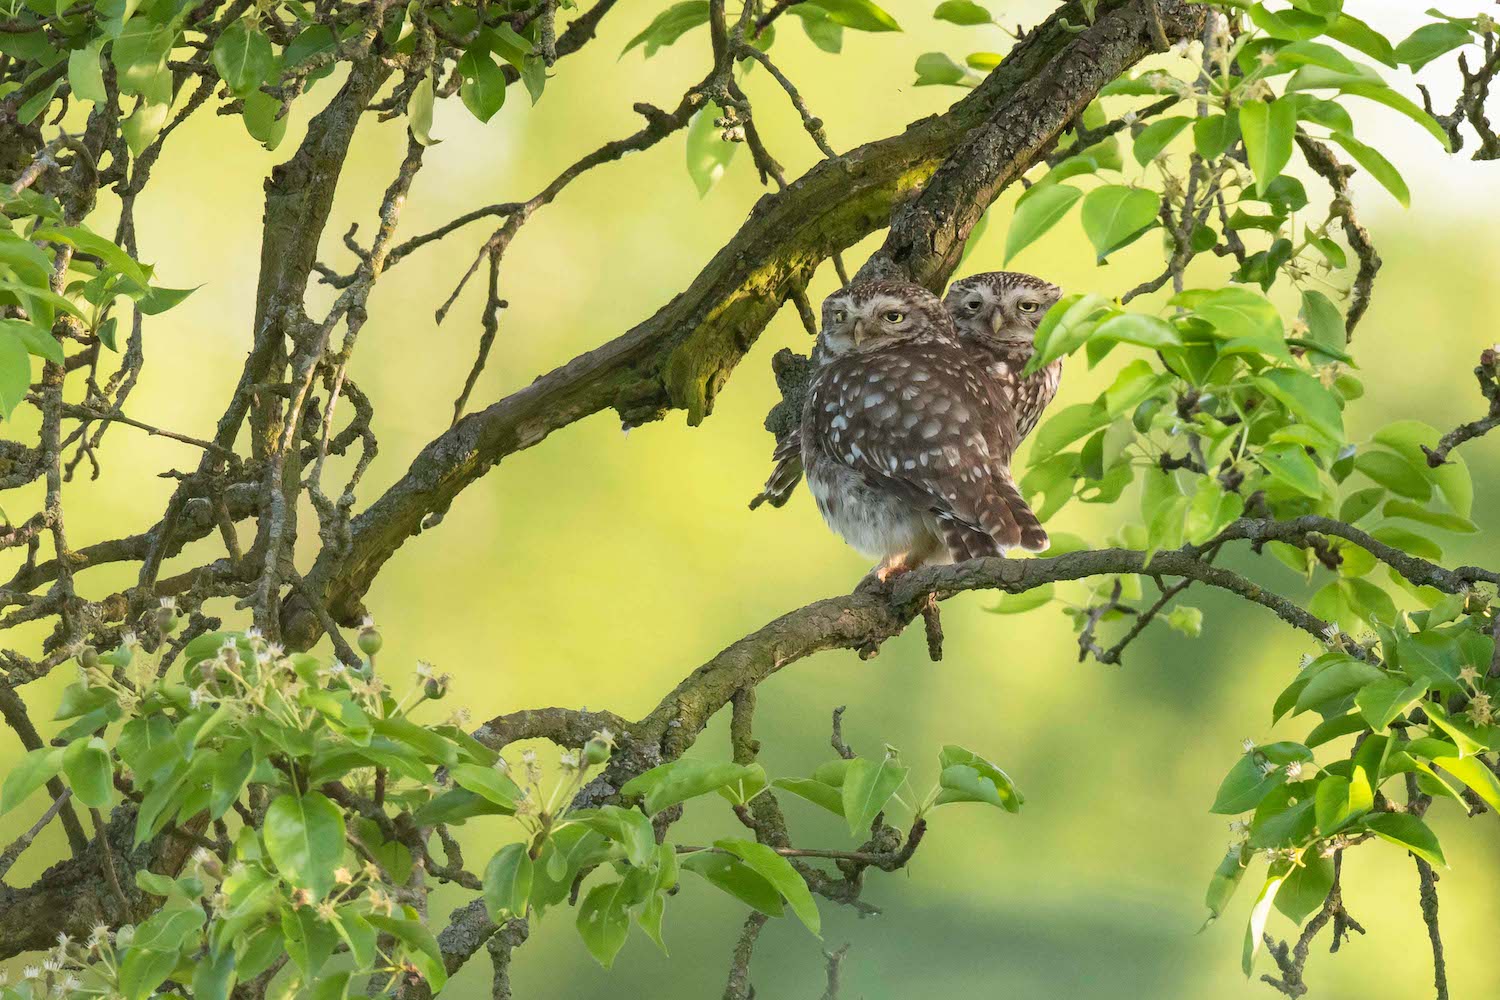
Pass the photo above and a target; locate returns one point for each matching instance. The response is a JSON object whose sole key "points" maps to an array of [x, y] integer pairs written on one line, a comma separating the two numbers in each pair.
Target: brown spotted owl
{"points": [[997, 314], [906, 442]]}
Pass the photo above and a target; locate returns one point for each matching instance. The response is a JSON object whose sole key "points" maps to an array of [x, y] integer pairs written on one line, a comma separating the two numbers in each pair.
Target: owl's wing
{"points": [[786, 474], [920, 421]]}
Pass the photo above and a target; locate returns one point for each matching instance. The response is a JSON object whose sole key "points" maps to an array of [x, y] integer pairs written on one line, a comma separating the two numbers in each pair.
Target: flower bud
{"points": [[436, 687], [369, 639], [596, 750], [89, 658]]}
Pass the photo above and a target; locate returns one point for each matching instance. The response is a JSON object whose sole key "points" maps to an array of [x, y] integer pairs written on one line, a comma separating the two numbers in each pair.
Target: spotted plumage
{"points": [[905, 440], [996, 315]]}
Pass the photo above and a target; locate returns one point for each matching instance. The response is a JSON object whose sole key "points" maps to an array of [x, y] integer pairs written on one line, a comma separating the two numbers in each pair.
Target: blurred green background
{"points": [[599, 569]]}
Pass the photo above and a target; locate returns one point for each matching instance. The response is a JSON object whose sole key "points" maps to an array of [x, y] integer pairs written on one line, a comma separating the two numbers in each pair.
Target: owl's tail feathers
{"points": [[1003, 514], [1033, 538], [785, 476], [965, 542]]}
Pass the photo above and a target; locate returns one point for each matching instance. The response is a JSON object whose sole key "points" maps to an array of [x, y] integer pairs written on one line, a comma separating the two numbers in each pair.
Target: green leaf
{"points": [[304, 836], [1036, 212], [937, 69], [1360, 36], [708, 155], [1306, 398], [86, 73], [143, 970], [1015, 604], [677, 781], [326, 987], [778, 871], [507, 883], [1064, 329], [1157, 136], [1214, 134], [419, 112], [264, 120], [1115, 215], [814, 791], [33, 771], [1251, 778], [1187, 620], [1140, 329], [746, 787], [231, 770], [421, 947], [1405, 830], [670, 25], [1341, 800], [488, 782], [1382, 94], [1258, 916], [1430, 41], [1473, 772], [665, 881], [87, 766], [114, 258], [243, 57], [1325, 324], [34, 339], [630, 829], [1393, 472], [1244, 318], [1379, 167], [213, 976], [1290, 464], [1384, 700], [1305, 887], [15, 375], [868, 785], [1468, 741], [1268, 130], [964, 12], [861, 15], [159, 300], [1226, 879], [483, 83], [738, 879], [968, 777], [819, 28], [140, 54], [1433, 518], [1336, 682]]}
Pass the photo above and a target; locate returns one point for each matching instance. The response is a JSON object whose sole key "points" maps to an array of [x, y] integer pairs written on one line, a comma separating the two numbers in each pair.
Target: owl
{"points": [[997, 314], [906, 442]]}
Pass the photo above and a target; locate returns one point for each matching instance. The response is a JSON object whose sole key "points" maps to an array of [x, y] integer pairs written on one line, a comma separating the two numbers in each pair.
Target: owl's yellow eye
{"points": [[838, 315], [894, 316], [1028, 307]]}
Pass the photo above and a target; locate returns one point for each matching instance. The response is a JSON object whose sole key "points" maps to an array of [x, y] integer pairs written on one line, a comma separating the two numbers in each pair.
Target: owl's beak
{"points": [[997, 322], [858, 332]]}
